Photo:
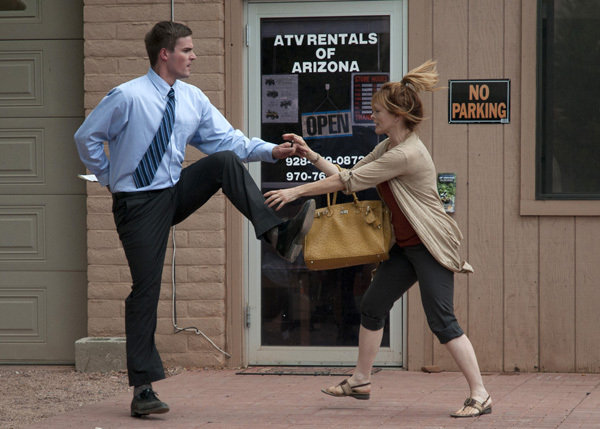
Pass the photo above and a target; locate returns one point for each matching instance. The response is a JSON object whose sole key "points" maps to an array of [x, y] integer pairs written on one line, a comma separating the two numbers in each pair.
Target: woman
{"points": [[427, 239]]}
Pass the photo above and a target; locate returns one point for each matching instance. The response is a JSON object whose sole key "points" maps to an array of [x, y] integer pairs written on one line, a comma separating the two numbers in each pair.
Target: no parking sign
{"points": [[479, 101]]}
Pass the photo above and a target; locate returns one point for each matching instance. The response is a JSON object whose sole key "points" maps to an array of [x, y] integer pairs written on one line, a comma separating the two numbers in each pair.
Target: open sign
{"points": [[326, 124]]}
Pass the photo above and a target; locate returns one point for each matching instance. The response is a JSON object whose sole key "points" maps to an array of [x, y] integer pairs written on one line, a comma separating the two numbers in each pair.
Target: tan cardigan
{"points": [[413, 181]]}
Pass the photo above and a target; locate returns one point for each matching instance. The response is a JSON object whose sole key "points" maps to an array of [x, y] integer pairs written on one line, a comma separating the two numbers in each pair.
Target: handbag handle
{"points": [[369, 216], [332, 203], [335, 193]]}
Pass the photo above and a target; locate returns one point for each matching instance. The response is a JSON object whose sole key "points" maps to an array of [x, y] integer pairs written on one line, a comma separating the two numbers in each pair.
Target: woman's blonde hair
{"points": [[402, 98]]}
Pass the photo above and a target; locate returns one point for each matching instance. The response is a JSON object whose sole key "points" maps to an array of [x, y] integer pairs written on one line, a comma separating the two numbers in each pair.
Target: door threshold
{"points": [[300, 370]]}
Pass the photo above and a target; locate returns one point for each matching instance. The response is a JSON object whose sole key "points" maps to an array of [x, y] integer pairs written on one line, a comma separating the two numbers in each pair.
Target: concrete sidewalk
{"points": [[399, 399]]}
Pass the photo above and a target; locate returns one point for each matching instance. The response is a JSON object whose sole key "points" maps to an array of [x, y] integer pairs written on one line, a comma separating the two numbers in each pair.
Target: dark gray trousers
{"points": [[143, 221], [395, 276]]}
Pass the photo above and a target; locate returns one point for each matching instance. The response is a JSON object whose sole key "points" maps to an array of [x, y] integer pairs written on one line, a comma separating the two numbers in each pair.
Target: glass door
{"points": [[313, 68]]}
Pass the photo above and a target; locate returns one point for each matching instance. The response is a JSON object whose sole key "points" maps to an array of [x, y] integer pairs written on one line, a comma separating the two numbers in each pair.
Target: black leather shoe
{"points": [[146, 403], [291, 233]]}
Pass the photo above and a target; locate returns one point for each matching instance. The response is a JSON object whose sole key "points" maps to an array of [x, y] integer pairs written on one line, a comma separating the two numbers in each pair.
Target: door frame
{"points": [[331, 356]]}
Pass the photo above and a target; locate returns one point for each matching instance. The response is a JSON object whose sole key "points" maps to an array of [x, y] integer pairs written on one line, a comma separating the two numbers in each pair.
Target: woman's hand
{"points": [[281, 197], [302, 148]]}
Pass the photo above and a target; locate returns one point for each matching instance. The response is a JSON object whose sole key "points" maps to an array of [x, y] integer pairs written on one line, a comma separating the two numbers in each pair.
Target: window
{"points": [[568, 105]]}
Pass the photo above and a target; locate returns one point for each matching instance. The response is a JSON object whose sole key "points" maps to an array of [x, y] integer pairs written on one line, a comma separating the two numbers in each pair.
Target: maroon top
{"points": [[403, 230]]}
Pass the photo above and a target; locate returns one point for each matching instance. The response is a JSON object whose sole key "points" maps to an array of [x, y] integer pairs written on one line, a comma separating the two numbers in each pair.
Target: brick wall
{"points": [[114, 53]]}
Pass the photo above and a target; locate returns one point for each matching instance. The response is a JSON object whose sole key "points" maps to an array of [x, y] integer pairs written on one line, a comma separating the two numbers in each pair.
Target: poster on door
{"points": [[279, 98], [318, 76]]}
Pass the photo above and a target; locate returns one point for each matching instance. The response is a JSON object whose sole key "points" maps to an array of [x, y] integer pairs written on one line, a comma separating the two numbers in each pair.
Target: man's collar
{"points": [[161, 85]]}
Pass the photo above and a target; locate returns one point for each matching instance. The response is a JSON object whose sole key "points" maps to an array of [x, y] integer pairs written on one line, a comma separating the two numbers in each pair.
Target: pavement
{"points": [[399, 399]]}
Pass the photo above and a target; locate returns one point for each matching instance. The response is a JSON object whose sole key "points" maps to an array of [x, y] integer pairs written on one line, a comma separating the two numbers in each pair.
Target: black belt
{"points": [[142, 194]]}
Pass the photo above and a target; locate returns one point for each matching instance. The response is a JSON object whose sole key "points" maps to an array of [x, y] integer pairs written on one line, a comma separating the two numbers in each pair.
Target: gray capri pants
{"points": [[395, 276]]}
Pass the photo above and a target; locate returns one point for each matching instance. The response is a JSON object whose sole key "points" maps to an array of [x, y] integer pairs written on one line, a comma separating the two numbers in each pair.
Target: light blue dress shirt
{"points": [[128, 117]]}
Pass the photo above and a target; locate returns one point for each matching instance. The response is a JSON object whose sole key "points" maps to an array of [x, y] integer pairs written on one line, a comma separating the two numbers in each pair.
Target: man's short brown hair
{"points": [[164, 35]]}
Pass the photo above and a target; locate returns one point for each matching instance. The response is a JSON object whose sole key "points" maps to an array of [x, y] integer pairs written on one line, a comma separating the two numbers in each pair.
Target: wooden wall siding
{"points": [[557, 294], [532, 302], [419, 340], [234, 111], [587, 295], [486, 202], [521, 309], [450, 149]]}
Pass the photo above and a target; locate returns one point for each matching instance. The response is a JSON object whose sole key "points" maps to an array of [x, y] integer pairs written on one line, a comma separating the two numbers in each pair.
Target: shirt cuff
{"points": [[103, 179], [262, 152], [345, 177], [269, 154]]}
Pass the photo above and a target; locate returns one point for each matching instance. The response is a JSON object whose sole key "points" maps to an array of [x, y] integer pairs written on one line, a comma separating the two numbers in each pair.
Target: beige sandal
{"points": [[347, 390], [477, 408]]}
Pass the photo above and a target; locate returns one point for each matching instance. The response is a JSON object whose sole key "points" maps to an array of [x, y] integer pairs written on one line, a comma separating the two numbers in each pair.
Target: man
{"points": [[147, 123]]}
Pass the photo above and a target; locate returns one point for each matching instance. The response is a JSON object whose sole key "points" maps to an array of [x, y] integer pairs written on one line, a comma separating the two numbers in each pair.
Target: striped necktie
{"points": [[146, 169]]}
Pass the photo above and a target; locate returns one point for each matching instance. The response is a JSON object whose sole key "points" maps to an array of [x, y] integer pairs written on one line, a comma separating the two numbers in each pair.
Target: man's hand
{"points": [[283, 150]]}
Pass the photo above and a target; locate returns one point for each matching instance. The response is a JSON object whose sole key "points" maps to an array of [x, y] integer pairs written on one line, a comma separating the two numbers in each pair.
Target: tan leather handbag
{"points": [[343, 235]]}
